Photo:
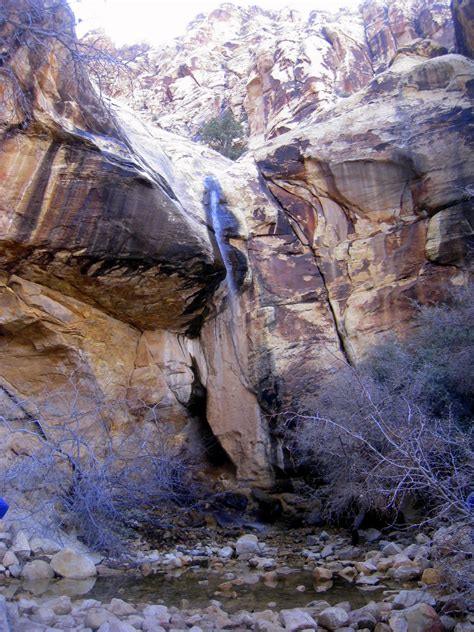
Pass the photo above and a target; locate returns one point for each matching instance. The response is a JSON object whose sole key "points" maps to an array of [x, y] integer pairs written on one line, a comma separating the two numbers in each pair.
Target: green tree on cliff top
{"points": [[225, 134]]}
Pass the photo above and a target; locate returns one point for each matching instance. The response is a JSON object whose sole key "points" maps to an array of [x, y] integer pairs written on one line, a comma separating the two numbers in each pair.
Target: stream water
{"points": [[196, 587]]}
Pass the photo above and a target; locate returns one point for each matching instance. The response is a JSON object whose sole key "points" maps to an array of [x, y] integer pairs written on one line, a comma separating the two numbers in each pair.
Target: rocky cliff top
{"points": [[273, 68]]}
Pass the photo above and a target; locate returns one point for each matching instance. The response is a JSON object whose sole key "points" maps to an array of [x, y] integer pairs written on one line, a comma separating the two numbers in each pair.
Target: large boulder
{"points": [[418, 618], [67, 563], [333, 618], [37, 569]]}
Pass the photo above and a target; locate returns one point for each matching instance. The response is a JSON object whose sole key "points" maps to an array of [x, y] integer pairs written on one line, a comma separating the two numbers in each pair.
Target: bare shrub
{"points": [[397, 429], [394, 437], [67, 475], [40, 34]]}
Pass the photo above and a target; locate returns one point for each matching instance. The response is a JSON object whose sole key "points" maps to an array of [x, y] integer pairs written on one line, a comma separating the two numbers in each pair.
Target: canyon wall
{"points": [[144, 270], [274, 68]]}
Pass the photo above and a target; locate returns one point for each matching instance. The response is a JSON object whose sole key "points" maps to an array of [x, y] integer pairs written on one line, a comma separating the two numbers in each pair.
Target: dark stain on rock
{"points": [[30, 216]]}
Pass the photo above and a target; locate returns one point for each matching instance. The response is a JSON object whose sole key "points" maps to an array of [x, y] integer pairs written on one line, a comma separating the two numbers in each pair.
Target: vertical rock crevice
{"points": [[299, 233]]}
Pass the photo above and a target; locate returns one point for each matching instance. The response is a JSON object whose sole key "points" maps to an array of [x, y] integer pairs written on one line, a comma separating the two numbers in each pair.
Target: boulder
{"points": [[37, 569], [67, 563], [418, 618], [408, 598], [333, 618], [247, 546], [296, 619]]}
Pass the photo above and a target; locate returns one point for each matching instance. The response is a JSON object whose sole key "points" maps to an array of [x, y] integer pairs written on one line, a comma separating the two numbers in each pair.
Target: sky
{"points": [[158, 21]]}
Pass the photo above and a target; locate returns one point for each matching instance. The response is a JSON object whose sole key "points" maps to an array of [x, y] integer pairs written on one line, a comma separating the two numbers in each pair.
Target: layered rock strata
{"points": [[128, 277], [273, 69]]}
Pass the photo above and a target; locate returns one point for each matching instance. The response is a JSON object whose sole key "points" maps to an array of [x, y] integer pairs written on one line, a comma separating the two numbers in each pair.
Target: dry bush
{"points": [[398, 428], [41, 34], [69, 475]]}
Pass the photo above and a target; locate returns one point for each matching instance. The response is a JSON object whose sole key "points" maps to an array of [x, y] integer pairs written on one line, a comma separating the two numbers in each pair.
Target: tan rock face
{"points": [[374, 213], [463, 18], [275, 68], [114, 248], [88, 213], [392, 25]]}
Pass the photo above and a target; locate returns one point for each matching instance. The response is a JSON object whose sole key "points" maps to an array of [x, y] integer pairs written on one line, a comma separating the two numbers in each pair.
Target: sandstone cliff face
{"points": [[365, 191], [274, 68], [144, 269], [463, 18]]}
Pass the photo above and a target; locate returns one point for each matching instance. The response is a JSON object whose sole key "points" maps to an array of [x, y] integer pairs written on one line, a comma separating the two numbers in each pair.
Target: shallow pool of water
{"points": [[195, 588]]}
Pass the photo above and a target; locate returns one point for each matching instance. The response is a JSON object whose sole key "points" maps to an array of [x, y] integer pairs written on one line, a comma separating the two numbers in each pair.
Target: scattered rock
{"points": [[60, 605], [431, 576], [408, 598], [349, 573], [120, 608], [226, 552], [9, 559], [333, 618], [405, 573], [321, 574], [68, 563], [37, 569], [159, 613], [327, 551], [21, 545], [370, 535], [44, 545], [95, 617], [362, 619], [391, 549], [116, 626], [447, 622], [418, 618], [296, 619], [45, 615], [368, 580], [247, 546]]}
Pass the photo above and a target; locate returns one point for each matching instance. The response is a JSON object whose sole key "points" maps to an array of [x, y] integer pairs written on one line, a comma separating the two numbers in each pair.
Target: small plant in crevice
{"points": [[225, 134]]}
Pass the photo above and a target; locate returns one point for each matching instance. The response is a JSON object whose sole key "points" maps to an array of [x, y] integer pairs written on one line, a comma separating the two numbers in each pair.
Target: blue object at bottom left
{"points": [[3, 507]]}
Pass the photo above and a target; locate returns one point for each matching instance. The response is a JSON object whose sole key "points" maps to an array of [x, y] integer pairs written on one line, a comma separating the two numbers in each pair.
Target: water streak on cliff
{"points": [[217, 213]]}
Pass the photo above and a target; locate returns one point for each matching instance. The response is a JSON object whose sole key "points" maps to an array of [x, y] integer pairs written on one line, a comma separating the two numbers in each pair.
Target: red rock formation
{"points": [[112, 264], [463, 18]]}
